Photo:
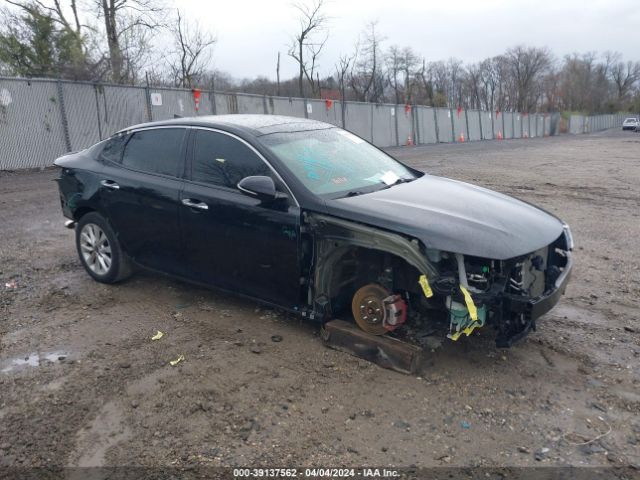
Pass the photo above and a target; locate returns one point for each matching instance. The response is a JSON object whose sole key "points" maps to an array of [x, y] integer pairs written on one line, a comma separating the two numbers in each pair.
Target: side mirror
{"points": [[261, 187]]}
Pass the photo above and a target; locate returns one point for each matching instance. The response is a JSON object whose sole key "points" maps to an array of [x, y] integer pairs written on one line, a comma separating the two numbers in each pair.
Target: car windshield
{"points": [[334, 162]]}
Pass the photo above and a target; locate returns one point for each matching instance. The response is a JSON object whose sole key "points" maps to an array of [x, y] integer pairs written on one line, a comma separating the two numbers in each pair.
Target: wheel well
{"points": [[81, 212], [353, 267]]}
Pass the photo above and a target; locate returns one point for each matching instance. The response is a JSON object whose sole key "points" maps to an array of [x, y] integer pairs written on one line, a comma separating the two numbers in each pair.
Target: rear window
{"points": [[112, 148], [155, 151]]}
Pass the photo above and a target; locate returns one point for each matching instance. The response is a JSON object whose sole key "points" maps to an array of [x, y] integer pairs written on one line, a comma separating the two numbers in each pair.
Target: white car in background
{"points": [[630, 123]]}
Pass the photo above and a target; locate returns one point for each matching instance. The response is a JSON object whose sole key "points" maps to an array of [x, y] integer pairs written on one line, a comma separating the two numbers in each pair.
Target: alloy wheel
{"points": [[95, 249]]}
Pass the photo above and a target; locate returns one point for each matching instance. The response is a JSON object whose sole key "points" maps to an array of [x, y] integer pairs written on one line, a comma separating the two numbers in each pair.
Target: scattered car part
{"points": [[388, 352]]}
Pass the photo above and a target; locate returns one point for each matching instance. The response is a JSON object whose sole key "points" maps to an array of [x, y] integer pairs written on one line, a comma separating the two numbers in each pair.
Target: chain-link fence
{"points": [[42, 119]]}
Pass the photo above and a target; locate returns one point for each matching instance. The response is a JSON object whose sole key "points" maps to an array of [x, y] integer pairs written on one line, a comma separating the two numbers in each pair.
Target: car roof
{"points": [[256, 125]]}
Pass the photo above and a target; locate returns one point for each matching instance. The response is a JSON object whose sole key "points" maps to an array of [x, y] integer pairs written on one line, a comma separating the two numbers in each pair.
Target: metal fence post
{"points": [[147, 98], [415, 125], [371, 117], [95, 91], [466, 121], [343, 105], [63, 112], [435, 122], [212, 99], [480, 123], [395, 118], [493, 127], [453, 127], [521, 122]]}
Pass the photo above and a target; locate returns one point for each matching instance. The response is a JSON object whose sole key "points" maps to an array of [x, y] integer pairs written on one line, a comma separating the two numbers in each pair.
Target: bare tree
{"points": [[342, 68], [367, 78], [423, 78], [402, 69], [192, 52], [394, 69], [121, 19], [624, 75], [308, 43], [528, 65]]}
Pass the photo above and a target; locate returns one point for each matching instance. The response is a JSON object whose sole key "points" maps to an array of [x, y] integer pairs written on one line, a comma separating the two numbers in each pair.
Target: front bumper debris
{"points": [[536, 307]]}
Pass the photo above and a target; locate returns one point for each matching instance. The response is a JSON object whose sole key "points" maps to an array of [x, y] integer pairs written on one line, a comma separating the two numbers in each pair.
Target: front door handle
{"points": [[195, 204], [110, 184]]}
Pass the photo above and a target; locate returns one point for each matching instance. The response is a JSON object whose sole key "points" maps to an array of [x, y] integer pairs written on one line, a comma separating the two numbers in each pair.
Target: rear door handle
{"points": [[195, 204], [110, 184]]}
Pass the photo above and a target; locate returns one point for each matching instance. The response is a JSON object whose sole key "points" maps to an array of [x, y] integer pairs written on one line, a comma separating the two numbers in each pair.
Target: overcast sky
{"points": [[251, 32]]}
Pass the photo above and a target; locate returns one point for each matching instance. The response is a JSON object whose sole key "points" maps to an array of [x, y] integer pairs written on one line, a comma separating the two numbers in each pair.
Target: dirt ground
{"points": [[83, 384]]}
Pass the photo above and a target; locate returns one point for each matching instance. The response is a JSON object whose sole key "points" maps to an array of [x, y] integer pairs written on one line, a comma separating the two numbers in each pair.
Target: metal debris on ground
{"points": [[158, 335], [173, 363], [12, 285]]}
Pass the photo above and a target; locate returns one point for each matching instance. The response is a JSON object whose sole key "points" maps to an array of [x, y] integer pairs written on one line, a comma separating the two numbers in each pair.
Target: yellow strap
{"points": [[426, 288], [473, 311], [467, 331]]}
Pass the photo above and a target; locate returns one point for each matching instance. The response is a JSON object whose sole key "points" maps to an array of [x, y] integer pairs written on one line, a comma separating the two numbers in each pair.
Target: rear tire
{"points": [[99, 250]]}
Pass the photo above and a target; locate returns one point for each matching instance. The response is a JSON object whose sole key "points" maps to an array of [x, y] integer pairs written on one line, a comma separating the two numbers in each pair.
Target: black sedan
{"points": [[308, 217]]}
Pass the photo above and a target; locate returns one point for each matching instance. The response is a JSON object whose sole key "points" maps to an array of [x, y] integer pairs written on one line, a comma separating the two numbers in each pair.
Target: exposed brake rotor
{"points": [[376, 310]]}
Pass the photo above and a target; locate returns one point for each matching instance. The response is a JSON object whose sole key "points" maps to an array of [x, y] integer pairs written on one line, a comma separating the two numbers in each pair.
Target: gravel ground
{"points": [[83, 384]]}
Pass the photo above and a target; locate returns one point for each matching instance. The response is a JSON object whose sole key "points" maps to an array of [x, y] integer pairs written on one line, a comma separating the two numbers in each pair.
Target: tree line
{"points": [[116, 41]]}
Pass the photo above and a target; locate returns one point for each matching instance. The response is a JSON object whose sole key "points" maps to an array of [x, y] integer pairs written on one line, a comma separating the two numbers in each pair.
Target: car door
{"points": [[231, 240], [140, 193]]}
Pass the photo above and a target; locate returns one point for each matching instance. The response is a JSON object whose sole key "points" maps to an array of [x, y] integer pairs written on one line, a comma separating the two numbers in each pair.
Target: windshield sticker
{"points": [[389, 178], [339, 180], [350, 136]]}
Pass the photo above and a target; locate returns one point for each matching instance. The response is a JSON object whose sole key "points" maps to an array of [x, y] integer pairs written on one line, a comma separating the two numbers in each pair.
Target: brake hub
{"points": [[376, 310]]}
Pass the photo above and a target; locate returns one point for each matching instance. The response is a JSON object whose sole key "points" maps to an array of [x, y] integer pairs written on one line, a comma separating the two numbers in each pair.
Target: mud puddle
{"points": [[32, 360]]}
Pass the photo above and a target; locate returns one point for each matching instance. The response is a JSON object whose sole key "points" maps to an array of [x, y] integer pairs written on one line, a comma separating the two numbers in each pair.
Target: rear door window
{"points": [[155, 151], [222, 160]]}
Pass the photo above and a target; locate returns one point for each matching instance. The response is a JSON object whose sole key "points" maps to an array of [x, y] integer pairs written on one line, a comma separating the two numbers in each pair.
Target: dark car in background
{"points": [[310, 218]]}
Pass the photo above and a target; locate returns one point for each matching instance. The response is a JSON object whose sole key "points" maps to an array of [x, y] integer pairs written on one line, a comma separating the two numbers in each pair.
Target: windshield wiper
{"points": [[399, 181], [354, 193]]}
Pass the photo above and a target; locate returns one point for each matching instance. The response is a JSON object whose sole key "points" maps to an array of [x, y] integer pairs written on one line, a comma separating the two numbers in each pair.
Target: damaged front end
{"points": [[508, 294], [382, 279]]}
